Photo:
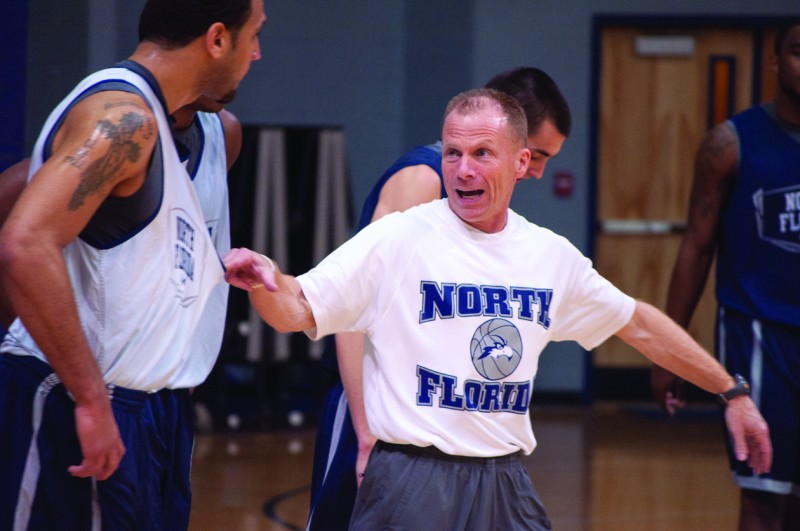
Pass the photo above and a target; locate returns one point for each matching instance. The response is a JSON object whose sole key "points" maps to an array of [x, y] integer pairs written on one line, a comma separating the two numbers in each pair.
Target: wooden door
{"points": [[655, 108]]}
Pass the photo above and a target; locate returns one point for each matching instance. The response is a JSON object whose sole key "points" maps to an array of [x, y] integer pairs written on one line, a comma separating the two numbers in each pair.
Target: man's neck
{"points": [[172, 69], [787, 109], [183, 118]]}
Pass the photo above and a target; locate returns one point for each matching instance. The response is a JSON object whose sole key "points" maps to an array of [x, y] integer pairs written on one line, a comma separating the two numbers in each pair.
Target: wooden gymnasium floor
{"points": [[607, 467]]}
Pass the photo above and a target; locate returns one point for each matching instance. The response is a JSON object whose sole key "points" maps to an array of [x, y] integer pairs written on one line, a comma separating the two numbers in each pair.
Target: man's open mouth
{"points": [[469, 194]]}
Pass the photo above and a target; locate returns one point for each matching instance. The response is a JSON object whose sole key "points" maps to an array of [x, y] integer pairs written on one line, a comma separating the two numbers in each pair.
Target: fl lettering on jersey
{"points": [[495, 349], [778, 217], [189, 246]]}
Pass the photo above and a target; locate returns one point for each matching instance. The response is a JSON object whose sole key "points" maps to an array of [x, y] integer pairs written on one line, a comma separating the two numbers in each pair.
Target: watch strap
{"points": [[740, 388]]}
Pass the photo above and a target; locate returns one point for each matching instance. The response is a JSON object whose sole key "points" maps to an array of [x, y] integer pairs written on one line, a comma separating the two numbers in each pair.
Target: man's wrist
{"points": [[269, 260], [740, 388]]}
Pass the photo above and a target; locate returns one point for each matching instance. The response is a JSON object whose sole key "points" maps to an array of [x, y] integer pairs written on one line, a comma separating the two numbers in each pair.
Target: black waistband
{"points": [[432, 451]]}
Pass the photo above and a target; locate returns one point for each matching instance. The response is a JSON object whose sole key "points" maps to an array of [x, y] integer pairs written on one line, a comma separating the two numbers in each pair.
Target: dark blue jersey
{"points": [[759, 246]]}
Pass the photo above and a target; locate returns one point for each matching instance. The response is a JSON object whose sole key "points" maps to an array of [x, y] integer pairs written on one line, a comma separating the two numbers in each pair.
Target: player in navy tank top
{"points": [[745, 208]]}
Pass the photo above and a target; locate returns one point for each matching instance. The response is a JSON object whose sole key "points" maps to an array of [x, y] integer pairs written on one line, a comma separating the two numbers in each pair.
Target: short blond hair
{"points": [[478, 99]]}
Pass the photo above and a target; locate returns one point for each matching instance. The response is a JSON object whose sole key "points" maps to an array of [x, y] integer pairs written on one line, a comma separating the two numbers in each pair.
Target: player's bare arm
{"points": [[277, 298], [102, 149], [715, 167], [12, 181], [411, 186], [714, 171], [350, 358], [668, 345], [233, 136]]}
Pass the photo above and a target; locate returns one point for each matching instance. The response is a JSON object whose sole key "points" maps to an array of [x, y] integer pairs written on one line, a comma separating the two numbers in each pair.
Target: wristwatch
{"points": [[741, 387]]}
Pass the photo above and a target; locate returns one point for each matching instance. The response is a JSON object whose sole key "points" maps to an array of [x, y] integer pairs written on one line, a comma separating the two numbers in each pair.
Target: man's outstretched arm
{"points": [[668, 345]]}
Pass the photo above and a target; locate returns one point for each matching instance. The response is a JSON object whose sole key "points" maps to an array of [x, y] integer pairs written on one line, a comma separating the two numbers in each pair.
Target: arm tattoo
{"points": [[122, 149], [711, 185], [717, 145]]}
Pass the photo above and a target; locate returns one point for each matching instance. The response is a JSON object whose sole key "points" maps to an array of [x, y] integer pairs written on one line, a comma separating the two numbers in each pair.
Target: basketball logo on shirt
{"points": [[496, 349]]}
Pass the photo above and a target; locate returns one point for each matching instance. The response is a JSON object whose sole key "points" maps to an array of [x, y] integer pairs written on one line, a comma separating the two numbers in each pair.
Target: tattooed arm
{"points": [[102, 149], [715, 170]]}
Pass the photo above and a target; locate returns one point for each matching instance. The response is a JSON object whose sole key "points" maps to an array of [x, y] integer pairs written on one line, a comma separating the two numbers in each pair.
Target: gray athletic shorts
{"points": [[411, 488]]}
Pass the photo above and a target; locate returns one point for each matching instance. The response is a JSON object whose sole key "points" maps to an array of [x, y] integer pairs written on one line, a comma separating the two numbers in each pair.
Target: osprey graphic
{"points": [[500, 348], [496, 349]]}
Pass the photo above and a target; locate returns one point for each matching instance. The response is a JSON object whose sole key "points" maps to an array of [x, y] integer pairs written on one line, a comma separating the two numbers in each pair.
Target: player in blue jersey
{"points": [[343, 440], [744, 209], [458, 297], [95, 371]]}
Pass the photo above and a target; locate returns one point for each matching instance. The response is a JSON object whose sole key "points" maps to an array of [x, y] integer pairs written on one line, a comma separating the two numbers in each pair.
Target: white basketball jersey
{"points": [[140, 301], [211, 184], [456, 320]]}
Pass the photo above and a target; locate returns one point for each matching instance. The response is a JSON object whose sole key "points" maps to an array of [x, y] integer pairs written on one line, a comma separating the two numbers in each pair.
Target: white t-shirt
{"points": [[456, 320]]}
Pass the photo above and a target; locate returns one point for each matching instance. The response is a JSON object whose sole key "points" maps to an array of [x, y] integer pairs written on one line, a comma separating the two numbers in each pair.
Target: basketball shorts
{"points": [[333, 479], [768, 355], [408, 487], [149, 491]]}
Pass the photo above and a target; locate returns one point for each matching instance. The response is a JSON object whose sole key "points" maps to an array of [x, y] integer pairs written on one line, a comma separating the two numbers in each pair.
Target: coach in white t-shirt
{"points": [[458, 298]]}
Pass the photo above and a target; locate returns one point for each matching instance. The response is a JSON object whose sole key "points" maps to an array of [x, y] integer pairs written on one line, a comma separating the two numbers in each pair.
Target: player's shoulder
{"points": [[113, 112], [408, 187], [229, 120], [720, 140], [113, 131], [116, 101], [232, 131]]}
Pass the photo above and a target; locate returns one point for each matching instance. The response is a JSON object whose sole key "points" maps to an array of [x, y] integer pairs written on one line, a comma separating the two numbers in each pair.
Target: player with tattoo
{"points": [[745, 210], [108, 264]]}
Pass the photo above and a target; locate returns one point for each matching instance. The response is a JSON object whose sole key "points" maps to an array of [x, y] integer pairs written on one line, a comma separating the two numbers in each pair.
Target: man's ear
{"points": [[522, 162], [218, 38]]}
